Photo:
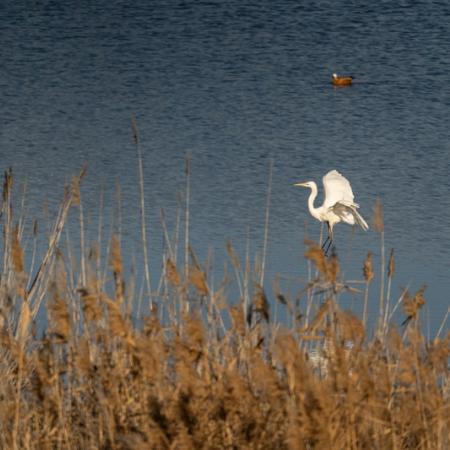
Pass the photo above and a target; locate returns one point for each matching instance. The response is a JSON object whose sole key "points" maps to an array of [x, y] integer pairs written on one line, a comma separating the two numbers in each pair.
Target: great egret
{"points": [[338, 205], [341, 80]]}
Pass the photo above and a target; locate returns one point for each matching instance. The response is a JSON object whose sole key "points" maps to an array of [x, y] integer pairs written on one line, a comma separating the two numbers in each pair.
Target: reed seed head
{"points": [[391, 264], [378, 220], [368, 269]]}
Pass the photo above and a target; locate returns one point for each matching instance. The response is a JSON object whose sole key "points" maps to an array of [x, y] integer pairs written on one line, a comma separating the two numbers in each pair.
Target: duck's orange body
{"points": [[341, 81]]}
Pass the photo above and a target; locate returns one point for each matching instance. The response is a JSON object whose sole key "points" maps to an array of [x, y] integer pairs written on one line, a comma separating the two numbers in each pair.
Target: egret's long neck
{"points": [[314, 211]]}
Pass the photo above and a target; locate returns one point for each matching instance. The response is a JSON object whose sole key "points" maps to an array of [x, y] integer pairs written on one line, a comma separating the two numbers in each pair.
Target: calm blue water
{"points": [[236, 84]]}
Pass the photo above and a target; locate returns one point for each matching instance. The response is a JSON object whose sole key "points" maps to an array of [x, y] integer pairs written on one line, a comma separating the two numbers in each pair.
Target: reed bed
{"points": [[201, 371]]}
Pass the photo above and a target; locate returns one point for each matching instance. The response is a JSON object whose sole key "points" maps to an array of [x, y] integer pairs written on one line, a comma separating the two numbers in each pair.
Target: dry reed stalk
{"points": [[118, 208], [22, 215], [53, 242], [35, 233], [333, 268], [241, 280], [266, 225], [368, 277], [117, 324], [99, 233], [318, 320], [18, 264], [412, 305], [327, 280], [328, 269], [166, 235], [137, 142], [60, 326], [76, 200], [172, 274], [117, 268], [444, 320], [378, 225], [390, 275], [176, 237], [260, 303], [91, 306], [172, 277], [246, 278], [280, 298], [178, 299], [7, 213], [235, 262], [198, 279], [22, 334], [310, 293], [187, 171], [315, 254]]}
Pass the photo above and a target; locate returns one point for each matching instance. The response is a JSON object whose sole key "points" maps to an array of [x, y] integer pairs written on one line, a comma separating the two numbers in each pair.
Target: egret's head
{"points": [[307, 184]]}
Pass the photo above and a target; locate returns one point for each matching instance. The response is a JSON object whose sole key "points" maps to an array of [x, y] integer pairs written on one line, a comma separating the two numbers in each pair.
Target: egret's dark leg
{"points": [[330, 238], [325, 242], [328, 247]]}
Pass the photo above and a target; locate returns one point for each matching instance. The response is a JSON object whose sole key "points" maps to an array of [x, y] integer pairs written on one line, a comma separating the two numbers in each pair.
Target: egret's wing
{"points": [[344, 212], [337, 190], [350, 215]]}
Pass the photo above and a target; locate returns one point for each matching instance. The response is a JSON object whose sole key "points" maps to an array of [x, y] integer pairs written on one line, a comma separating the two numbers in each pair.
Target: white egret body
{"points": [[338, 205]]}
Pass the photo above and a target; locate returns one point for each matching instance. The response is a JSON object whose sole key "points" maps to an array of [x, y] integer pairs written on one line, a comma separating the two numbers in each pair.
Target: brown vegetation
{"points": [[216, 377]]}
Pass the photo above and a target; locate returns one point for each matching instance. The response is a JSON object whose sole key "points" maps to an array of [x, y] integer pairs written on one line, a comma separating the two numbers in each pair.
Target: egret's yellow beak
{"points": [[300, 184]]}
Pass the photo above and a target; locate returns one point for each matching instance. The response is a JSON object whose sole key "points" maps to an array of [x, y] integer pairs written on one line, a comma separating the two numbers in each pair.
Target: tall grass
{"points": [[211, 376]]}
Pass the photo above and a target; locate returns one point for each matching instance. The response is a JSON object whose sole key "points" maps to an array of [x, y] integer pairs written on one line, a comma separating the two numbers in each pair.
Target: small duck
{"points": [[341, 81]]}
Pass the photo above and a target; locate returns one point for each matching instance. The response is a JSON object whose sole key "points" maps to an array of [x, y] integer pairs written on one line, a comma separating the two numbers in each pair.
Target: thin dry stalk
{"points": [[260, 303], [166, 234], [99, 234], [22, 215], [311, 292], [390, 275], [136, 140], [266, 225], [235, 262], [7, 213], [378, 225], [21, 336], [412, 306], [444, 320], [17, 252], [187, 171], [76, 200], [368, 277], [172, 274], [35, 241], [246, 278], [117, 269], [53, 242]]}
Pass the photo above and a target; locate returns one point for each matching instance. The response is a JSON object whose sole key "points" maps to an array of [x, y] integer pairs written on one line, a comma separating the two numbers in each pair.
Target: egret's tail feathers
{"points": [[361, 222]]}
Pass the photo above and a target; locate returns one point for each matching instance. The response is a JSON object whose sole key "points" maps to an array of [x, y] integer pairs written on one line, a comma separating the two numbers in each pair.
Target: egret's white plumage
{"points": [[338, 205]]}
